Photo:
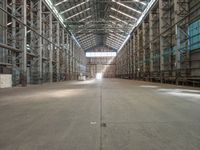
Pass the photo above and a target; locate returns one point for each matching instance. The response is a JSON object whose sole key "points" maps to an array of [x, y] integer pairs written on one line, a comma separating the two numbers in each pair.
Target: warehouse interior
{"points": [[99, 74]]}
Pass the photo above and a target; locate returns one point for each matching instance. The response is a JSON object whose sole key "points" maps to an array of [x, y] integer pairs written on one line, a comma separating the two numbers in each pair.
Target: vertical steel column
{"points": [[4, 32], [36, 42], [51, 49], [13, 23], [67, 56], [63, 64], [40, 44], [138, 53], [134, 55], [150, 44], [143, 46], [71, 58], [128, 57], [58, 51], [181, 9], [178, 54], [73, 46], [161, 15], [132, 58], [13, 39], [24, 42]]}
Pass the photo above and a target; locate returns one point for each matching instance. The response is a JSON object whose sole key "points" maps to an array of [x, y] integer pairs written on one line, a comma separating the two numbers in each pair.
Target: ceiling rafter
{"points": [[74, 7], [101, 21]]}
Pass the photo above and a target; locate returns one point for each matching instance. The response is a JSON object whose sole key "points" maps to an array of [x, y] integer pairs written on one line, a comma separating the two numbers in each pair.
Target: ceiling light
{"points": [[150, 4], [78, 13], [124, 13], [127, 7], [143, 3], [116, 42], [84, 35], [114, 39], [118, 19], [117, 33], [85, 18], [120, 35], [113, 43], [60, 2], [122, 38], [9, 23], [73, 7], [86, 39], [116, 28], [116, 24]]}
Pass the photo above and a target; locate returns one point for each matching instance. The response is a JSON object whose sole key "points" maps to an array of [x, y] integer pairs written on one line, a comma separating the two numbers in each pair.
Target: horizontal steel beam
{"points": [[98, 33], [10, 48]]}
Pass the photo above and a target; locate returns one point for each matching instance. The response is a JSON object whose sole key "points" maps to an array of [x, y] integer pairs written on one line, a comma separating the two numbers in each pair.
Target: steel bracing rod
{"points": [[28, 27], [10, 48], [172, 26], [25, 25], [15, 49]]}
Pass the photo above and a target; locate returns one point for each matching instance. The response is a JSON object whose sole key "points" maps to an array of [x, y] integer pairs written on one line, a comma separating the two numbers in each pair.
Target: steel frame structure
{"points": [[101, 15], [161, 49], [36, 44]]}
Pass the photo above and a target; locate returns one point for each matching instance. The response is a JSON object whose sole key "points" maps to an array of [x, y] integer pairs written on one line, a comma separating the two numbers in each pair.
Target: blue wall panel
{"points": [[194, 34]]}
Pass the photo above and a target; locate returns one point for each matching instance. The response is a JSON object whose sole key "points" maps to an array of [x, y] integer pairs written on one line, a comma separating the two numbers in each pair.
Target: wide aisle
{"points": [[108, 114], [149, 116]]}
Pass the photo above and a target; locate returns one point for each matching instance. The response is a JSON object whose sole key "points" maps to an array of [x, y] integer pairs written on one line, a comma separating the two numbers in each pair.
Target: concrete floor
{"points": [[111, 114]]}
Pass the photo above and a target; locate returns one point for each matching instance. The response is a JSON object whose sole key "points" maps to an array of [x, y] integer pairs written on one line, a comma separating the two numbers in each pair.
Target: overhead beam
{"points": [[73, 7], [130, 8], [78, 13], [127, 15]]}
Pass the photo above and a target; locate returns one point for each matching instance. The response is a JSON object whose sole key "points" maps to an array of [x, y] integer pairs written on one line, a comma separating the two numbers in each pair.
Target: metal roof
{"points": [[100, 23]]}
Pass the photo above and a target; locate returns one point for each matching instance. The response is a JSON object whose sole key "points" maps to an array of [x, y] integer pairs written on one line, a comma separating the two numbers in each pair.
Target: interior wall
{"points": [[104, 65]]}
